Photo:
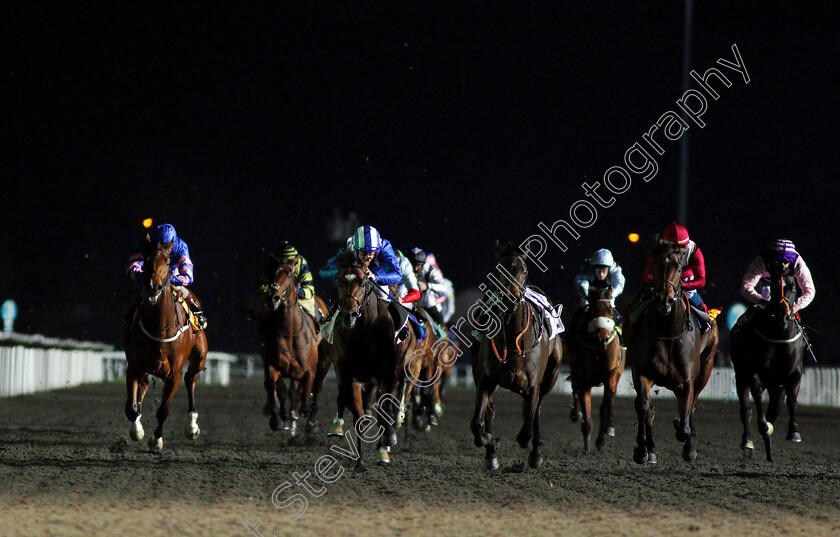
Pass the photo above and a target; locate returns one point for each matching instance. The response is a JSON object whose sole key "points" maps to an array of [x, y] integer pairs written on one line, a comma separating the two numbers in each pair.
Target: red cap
{"points": [[675, 234]]}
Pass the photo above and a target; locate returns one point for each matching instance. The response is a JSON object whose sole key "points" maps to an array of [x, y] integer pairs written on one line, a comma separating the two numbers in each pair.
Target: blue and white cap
{"points": [[165, 233], [367, 239], [602, 257]]}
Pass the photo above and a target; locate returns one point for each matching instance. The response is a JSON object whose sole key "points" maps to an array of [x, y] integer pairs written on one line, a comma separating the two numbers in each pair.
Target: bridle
{"points": [[361, 304], [509, 316]]}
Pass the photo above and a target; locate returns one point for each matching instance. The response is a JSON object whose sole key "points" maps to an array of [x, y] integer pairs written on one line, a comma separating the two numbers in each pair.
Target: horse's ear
{"points": [[148, 239], [525, 251], [499, 250]]}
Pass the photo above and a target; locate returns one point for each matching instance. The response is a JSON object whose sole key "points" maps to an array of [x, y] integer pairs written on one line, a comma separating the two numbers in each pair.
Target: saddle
{"points": [[193, 320]]}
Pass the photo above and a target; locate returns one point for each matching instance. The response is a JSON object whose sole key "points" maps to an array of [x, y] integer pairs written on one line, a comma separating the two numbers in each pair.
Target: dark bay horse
{"points": [[518, 356], [666, 348], [289, 349], [365, 351], [767, 350], [159, 341], [596, 358]]}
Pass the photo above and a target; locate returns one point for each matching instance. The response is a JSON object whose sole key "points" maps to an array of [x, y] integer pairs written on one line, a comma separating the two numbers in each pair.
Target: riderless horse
{"points": [[667, 349], [517, 355], [595, 358], [767, 348], [159, 340]]}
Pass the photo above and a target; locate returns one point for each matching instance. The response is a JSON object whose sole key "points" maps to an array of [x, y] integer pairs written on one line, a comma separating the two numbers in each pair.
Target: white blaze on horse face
{"points": [[350, 277], [601, 323]]}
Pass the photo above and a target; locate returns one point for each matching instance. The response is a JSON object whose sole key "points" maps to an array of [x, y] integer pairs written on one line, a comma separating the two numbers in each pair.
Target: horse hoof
{"points": [[276, 424], [191, 430], [611, 432], [574, 415], [795, 437], [293, 415], [400, 419], [383, 457], [438, 410], [491, 464], [433, 420], [652, 458], [135, 430], [770, 429], [390, 440], [640, 455], [156, 444], [311, 427], [522, 439], [599, 444], [369, 413], [535, 460], [689, 455], [748, 444]]}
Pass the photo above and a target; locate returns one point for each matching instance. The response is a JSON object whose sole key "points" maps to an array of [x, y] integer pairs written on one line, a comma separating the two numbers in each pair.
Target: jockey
{"points": [[303, 281], [382, 266], [430, 281], [601, 270], [182, 268], [755, 285], [693, 274], [447, 301]]}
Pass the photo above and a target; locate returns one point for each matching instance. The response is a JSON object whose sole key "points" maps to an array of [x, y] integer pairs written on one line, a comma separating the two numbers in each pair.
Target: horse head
{"points": [[782, 293], [511, 269], [279, 289], [156, 269], [602, 324], [667, 278], [354, 289]]}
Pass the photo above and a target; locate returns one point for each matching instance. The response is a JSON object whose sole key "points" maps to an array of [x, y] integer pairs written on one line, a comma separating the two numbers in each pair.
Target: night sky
{"points": [[445, 126]]}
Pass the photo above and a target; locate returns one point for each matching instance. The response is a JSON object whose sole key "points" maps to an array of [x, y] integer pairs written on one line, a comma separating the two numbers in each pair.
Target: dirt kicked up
{"points": [[67, 468]]}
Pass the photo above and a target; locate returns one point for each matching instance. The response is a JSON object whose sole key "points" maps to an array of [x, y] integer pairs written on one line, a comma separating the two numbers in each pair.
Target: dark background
{"points": [[447, 127]]}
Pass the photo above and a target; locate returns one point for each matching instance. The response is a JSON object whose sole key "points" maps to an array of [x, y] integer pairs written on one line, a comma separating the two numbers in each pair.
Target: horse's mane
{"points": [[508, 249], [347, 259], [661, 249]]}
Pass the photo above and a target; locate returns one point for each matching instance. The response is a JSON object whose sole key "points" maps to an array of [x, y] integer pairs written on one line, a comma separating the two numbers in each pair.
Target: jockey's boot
{"points": [[199, 314]]}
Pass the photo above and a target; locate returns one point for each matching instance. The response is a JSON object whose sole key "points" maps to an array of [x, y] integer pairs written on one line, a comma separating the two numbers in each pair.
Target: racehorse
{"points": [[159, 340], [365, 350], [530, 369], [595, 358], [666, 348], [290, 349], [416, 395], [767, 350]]}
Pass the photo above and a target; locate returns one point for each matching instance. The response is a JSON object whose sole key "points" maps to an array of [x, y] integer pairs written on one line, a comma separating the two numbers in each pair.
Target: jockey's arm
{"points": [[388, 272], [134, 268], [329, 271], [582, 285], [303, 277], [697, 266], [806, 284], [751, 277], [435, 281], [617, 280]]}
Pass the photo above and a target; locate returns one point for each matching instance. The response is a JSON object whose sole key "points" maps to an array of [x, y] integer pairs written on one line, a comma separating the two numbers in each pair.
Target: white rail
{"points": [[34, 363], [820, 386]]}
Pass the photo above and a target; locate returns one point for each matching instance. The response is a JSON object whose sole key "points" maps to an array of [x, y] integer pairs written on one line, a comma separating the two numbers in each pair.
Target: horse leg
{"points": [[282, 394], [775, 403], [684, 425], [272, 404], [317, 384], [170, 384], [764, 427], [644, 450], [306, 399], [743, 390], [481, 435], [574, 413], [491, 458], [192, 430], [529, 408], [606, 414], [585, 397], [132, 407], [294, 395], [792, 392]]}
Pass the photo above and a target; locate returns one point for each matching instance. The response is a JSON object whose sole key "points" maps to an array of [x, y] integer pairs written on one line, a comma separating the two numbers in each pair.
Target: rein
{"points": [[519, 350], [174, 317]]}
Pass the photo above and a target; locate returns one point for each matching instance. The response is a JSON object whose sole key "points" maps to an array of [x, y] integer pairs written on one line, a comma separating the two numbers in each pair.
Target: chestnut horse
{"points": [[595, 358], [530, 369], [767, 349], [159, 341], [363, 339], [667, 349], [289, 349]]}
